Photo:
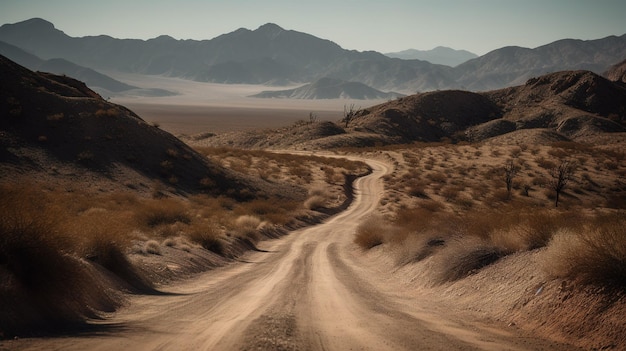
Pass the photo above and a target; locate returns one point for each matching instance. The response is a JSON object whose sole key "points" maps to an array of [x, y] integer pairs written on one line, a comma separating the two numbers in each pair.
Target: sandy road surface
{"points": [[311, 290]]}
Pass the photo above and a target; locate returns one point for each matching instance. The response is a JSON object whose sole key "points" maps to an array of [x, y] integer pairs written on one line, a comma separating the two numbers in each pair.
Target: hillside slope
{"points": [[617, 73], [55, 127], [59, 66]]}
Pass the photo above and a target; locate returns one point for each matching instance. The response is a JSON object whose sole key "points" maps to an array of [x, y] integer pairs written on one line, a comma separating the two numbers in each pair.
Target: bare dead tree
{"points": [[560, 176], [349, 114], [510, 171]]}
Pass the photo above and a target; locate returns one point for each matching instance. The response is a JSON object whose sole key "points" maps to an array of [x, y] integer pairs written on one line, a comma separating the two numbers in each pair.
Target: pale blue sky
{"points": [[393, 25]]}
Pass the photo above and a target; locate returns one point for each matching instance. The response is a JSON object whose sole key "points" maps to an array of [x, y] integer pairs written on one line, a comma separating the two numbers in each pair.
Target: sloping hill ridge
{"points": [[54, 124], [273, 55], [572, 103], [63, 67], [568, 105], [617, 73], [328, 88]]}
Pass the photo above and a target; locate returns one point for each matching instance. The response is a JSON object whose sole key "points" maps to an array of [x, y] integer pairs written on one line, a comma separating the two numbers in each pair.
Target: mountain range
{"points": [[440, 55], [273, 55]]}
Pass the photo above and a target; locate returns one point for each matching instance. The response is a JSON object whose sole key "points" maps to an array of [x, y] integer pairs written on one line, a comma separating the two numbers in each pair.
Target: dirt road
{"points": [[311, 290]]}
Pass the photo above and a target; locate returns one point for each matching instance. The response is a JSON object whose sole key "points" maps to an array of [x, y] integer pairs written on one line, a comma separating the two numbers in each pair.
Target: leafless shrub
{"points": [[560, 176]]}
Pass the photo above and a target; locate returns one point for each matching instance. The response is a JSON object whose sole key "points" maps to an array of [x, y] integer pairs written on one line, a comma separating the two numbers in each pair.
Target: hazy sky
{"points": [[392, 25]]}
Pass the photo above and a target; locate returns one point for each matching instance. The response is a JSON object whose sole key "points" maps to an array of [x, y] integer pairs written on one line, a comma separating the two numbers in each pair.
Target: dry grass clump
{"points": [[43, 284], [247, 222], [318, 198], [593, 254], [209, 237], [464, 257], [371, 233], [154, 212]]}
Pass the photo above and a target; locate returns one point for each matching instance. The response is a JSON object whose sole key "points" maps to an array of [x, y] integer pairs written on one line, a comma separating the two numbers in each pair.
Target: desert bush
{"points": [[152, 247], [152, 213], [315, 202], [544, 163], [248, 222], [437, 177], [417, 188], [43, 285], [450, 193], [499, 196], [416, 247], [464, 257], [371, 233], [209, 237], [595, 254]]}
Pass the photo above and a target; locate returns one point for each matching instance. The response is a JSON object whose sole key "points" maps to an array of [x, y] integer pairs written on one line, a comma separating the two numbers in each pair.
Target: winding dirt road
{"points": [[311, 290]]}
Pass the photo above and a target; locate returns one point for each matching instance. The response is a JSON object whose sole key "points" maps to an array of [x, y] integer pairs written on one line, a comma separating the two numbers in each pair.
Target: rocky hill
{"points": [[273, 55], [55, 129], [617, 73], [328, 88], [568, 105]]}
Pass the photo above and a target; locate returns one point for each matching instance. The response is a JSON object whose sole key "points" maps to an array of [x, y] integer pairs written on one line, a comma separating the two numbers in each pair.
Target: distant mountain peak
{"points": [[38, 22], [163, 38], [270, 29]]}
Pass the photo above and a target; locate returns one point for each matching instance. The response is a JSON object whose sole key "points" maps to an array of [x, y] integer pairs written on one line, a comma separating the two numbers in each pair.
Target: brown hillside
{"points": [[617, 73], [53, 126], [581, 90], [569, 105], [427, 117]]}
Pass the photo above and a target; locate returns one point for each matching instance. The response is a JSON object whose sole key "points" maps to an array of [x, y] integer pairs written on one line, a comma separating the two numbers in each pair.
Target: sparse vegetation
{"points": [[474, 221]]}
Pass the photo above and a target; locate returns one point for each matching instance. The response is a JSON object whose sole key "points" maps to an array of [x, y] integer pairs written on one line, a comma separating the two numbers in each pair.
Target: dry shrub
{"points": [[415, 247], [209, 237], [247, 222], [432, 206], [437, 177], [315, 202], [593, 255], [451, 192], [464, 257], [545, 164], [417, 188], [499, 196], [42, 284], [318, 191], [152, 247], [153, 213], [372, 233]]}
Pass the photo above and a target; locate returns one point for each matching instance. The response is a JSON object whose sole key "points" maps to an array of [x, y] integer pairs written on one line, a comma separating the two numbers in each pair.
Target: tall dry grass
{"points": [[592, 254], [45, 284]]}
